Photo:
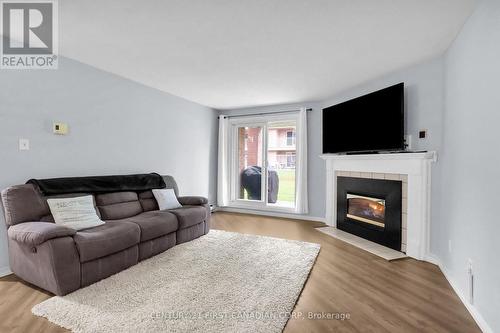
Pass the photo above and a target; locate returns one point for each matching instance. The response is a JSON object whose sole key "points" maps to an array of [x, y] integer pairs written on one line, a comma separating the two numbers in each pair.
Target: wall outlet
{"points": [[422, 134], [24, 144], [470, 279], [449, 245]]}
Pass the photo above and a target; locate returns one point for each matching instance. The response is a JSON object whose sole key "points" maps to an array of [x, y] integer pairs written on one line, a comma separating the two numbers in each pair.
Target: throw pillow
{"points": [[77, 213], [166, 199]]}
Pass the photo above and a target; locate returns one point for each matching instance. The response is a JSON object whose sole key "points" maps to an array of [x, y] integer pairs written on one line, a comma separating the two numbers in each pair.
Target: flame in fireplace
{"points": [[366, 209]]}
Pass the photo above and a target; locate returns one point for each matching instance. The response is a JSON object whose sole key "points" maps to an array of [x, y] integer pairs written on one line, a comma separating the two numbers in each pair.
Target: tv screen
{"points": [[374, 122]]}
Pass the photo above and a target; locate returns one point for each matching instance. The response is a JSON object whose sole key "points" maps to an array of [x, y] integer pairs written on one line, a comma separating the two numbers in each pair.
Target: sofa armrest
{"points": [[36, 233], [192, 200]]}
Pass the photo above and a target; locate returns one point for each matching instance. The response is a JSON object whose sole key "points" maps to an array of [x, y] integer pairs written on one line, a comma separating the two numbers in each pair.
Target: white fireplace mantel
{"points": [[417, 166]]}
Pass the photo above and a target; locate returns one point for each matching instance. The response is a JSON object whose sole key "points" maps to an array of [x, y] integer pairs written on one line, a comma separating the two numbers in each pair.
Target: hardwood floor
{"points": [[378, 296]]}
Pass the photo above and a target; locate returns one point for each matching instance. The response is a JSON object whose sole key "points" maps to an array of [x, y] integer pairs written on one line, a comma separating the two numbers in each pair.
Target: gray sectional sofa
{"points": [[61, 260]]}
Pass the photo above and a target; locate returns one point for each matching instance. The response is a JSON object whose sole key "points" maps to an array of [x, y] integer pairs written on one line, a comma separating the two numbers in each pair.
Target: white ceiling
{"points": [[238, 53]]}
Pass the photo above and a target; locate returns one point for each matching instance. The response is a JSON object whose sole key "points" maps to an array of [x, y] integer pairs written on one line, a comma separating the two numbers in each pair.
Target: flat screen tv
{"points": [[370, 123]]}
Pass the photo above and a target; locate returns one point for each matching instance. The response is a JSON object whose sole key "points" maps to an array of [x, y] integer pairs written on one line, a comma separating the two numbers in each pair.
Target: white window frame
{"points": [[256, 121], [234, 181]]}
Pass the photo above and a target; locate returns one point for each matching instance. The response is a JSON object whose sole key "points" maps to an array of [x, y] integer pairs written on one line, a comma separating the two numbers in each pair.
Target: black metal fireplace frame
{"points": [[391, 191]]}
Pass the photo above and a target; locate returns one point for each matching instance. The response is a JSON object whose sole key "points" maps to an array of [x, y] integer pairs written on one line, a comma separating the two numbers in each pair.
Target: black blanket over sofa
{"points": [[98, 184]]}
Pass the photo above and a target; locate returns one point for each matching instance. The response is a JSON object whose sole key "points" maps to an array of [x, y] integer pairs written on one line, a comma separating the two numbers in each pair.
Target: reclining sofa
{"points": [[61, 260]]}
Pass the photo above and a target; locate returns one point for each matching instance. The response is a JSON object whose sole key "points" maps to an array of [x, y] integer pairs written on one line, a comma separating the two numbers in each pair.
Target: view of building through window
{"points": [[281, 153]]}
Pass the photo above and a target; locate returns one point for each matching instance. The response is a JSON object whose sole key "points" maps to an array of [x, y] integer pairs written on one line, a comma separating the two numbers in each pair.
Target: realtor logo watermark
{"points": [[29, 34]]}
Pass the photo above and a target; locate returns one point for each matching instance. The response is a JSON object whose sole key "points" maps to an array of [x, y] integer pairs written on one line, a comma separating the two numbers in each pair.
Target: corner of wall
{"points": [[4, 271]]}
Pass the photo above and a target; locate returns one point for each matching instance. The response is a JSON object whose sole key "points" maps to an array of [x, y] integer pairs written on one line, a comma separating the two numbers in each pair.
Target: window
{"points": [[263, 172], [257, 168], [290, 138]]}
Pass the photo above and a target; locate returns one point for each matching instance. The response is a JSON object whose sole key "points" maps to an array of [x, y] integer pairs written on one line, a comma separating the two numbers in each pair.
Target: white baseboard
{"points": [[478, 318], [4, 271], [272, 214], [433, 260]]}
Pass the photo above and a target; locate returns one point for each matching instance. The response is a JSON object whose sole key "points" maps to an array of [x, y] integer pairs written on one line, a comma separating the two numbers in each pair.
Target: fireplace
{"points": [[371, 209], [410, 171]]}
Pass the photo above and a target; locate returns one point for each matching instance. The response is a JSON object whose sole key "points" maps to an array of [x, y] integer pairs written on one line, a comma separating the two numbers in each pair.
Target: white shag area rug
{"points": [[221, 282]]}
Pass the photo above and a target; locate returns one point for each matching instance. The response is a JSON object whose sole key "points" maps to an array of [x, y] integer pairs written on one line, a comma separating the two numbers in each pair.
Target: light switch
{"points": [[24, 144]]}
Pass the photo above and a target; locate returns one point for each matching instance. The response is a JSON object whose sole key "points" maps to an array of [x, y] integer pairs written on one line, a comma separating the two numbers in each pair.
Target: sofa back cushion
{"points": [[148, 201], [23, 203], [118, 205]]}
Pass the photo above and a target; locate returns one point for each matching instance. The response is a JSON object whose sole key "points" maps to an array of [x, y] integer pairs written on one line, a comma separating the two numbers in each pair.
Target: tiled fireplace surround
{"points": [[404, 192], [412, 169]]}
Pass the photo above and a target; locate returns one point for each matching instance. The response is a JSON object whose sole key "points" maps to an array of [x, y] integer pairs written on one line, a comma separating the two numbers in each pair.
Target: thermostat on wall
{"points": [[60, 128]]}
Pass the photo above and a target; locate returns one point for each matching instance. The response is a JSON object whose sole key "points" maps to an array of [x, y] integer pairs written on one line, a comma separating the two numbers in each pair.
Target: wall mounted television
{"points": [[370, 123]]}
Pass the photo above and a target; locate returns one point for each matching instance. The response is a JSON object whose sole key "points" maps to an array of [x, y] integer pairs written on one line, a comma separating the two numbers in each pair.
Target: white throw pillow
{"points": [[166, 199], [77, 213]]}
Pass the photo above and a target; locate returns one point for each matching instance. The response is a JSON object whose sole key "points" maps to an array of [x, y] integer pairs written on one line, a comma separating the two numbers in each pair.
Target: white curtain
{"points": [[301, 199], [223, 162]]}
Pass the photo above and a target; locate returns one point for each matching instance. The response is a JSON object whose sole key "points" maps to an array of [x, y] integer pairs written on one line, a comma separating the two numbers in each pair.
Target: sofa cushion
{"points": [[148, 201], [154, 224], [118, 205], [106, 239], [106, 199], [189, 215]]}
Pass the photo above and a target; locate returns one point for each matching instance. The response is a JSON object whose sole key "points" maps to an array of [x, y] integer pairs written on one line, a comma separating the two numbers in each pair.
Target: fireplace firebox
{"points": [[371, 209]]}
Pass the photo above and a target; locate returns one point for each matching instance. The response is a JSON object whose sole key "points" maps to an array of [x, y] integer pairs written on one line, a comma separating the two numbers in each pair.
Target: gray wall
{"points": [[116, 127], [470, 161], [424, 106]]}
